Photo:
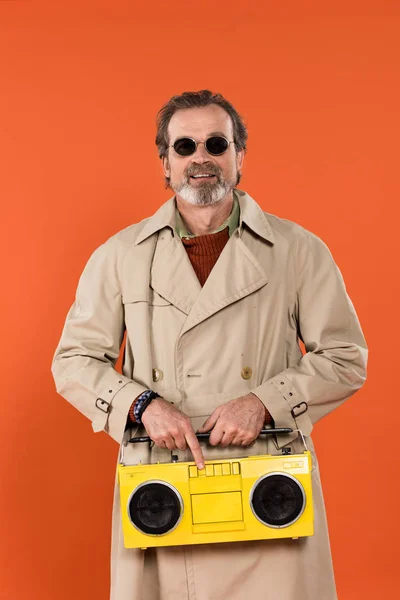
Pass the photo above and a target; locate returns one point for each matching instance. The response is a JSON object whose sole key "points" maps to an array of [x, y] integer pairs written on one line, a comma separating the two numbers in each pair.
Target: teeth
{"points": [[203, 175]]}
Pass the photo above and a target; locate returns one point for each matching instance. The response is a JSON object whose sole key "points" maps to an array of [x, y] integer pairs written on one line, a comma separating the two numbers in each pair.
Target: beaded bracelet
{"points": [[131, 411], [142, 403]]}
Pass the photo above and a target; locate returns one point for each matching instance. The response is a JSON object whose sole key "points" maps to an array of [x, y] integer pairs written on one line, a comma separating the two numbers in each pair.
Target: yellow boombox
{"points": [[230, 500]]}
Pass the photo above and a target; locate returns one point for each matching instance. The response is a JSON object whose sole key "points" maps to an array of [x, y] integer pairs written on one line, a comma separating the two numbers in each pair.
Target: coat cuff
{"points": [[286, 407], [113, 416]]}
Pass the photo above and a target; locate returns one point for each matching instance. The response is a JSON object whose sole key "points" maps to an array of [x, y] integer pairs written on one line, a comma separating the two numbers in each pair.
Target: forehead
{"points": [[200, 122]]}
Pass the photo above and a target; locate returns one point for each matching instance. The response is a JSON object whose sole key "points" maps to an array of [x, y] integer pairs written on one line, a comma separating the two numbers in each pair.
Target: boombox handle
{"points": [[204, 436]]}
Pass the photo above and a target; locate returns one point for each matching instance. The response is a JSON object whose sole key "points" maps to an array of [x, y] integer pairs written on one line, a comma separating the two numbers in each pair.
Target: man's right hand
{"points": [[170, 428]]}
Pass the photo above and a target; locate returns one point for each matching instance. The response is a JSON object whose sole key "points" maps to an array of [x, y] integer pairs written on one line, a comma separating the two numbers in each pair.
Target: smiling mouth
{"points": [[202, 176]]}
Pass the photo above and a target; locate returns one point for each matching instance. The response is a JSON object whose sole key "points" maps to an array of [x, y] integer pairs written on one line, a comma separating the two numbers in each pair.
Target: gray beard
{"points": [[204, 195]]}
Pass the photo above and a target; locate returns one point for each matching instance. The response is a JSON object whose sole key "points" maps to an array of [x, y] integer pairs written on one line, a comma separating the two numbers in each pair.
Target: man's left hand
{"points": [[238, 422]]}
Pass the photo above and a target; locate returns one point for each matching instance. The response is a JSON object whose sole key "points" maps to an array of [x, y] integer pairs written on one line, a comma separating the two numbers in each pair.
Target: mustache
{"points": [[211, 170]]}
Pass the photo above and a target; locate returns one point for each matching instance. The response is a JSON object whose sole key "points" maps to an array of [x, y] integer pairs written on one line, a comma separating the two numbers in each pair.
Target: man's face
{"points": [[199, 124]]}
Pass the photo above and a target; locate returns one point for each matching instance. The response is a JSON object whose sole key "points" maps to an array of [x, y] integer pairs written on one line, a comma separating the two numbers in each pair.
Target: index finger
{"points": [[194, 446]]}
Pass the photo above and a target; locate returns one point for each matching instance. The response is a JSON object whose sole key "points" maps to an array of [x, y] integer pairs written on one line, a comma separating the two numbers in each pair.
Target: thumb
{"points": [[209, 423]]}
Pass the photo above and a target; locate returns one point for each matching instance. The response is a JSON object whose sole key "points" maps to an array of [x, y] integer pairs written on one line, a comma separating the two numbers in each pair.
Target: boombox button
{"points": [[235, 468], [209, 470], [226, 469], [293, 465], [192, 471]]}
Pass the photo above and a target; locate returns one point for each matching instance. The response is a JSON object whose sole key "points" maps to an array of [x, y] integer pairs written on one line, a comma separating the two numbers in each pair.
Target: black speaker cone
{"points": [[155, 508], [278, 500]]}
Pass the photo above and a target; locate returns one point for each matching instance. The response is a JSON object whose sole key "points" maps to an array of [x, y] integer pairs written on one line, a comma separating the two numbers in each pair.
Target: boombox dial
{"points": [[277, 500], [155, 507]]}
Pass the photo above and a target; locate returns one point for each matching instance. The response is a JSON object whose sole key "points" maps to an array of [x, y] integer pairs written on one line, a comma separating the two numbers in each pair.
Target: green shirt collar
{"points": [[232, 221]]}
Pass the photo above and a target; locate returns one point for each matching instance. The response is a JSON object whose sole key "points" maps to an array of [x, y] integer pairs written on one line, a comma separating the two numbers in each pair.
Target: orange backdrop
{"points": [[318, 85]]}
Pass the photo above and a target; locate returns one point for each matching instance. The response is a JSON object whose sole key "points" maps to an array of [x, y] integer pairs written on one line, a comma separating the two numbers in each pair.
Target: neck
{"points": [[201, 220]]}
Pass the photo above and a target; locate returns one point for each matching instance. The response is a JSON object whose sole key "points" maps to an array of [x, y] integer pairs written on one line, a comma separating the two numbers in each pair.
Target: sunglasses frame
{"points": [[186, 137]]}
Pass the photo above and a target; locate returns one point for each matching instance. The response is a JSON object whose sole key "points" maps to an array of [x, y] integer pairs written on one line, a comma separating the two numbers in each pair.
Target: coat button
{"points": [[246, 372], [157, 374]]}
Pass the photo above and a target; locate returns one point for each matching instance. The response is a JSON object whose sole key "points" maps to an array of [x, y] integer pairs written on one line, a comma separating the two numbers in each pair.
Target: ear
{"points": [[239, 159], [165, 166]]}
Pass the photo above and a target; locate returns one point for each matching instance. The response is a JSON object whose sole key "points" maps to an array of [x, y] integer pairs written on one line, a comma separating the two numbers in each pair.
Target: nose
{"points": [[201, 155]]}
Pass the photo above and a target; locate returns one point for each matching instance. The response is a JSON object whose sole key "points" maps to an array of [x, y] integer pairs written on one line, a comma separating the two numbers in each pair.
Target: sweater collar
{"points": [[232, 221]]}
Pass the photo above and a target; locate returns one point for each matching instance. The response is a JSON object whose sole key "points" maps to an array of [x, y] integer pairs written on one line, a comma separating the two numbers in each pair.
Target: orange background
{"points": [[318, 86]]}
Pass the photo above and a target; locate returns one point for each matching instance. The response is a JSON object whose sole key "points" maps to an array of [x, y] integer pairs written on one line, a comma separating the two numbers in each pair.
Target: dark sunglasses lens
{"points": [[216, 145], [185, 146]]}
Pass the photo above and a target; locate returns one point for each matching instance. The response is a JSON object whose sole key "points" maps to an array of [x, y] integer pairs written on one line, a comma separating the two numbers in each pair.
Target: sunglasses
{"points": [[215, 145]]}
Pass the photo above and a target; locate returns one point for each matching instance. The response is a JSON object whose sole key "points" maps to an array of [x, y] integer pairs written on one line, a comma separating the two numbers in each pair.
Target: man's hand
{"points": [[170, 428], [237, 422]]}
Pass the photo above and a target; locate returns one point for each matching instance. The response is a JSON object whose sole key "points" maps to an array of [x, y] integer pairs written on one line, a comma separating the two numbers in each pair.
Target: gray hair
{"points": [[197, 100]]}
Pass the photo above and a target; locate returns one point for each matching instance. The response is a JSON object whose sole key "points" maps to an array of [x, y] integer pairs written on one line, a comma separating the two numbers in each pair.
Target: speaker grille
{"points": [[155, 508], [278, 500]]}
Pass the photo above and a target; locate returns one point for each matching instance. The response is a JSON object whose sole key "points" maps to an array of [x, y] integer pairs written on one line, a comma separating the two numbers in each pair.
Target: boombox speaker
{"points": [[230, 500]]}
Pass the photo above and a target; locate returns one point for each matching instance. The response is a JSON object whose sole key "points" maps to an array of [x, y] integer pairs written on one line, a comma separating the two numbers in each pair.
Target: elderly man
{"points": [[214, 294]]}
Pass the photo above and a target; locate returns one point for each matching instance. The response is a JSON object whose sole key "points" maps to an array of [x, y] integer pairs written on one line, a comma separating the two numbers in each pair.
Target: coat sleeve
{"points": [[334, 365], [84, 361]]}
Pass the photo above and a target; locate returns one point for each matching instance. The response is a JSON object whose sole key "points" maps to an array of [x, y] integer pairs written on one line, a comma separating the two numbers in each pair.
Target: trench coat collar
{"points": [[236, 274], [250, 213]]}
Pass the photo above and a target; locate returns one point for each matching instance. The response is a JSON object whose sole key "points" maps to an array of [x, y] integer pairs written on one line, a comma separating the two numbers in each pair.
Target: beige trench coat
{"points": [[273, 283]]}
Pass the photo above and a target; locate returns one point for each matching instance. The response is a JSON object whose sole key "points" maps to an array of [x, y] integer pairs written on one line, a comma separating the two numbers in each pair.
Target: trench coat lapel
{"points": [[236, 274], [172, 275]]}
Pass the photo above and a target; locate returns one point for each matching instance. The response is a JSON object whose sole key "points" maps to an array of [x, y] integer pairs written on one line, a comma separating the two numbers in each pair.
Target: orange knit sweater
{"points": [[203, 251]]}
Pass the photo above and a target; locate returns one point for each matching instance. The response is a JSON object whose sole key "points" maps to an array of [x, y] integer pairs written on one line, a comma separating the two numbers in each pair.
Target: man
{"points": [[214, 294]]}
